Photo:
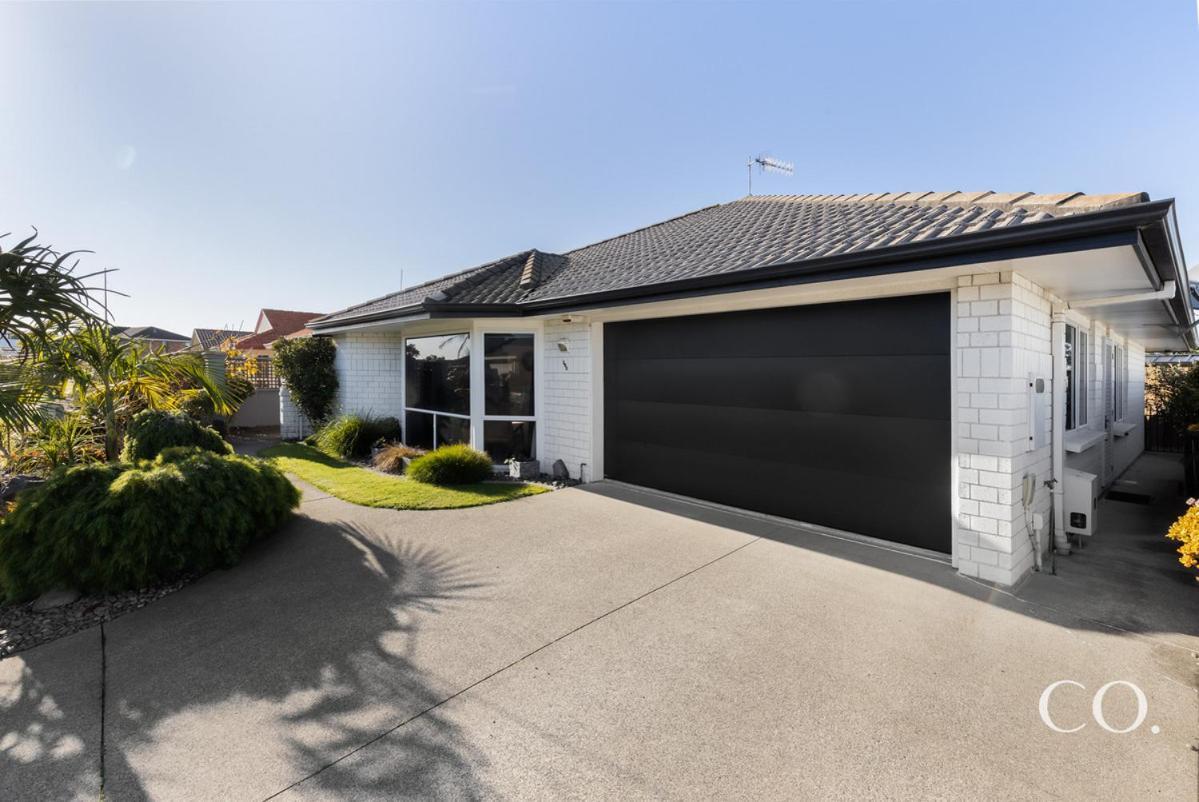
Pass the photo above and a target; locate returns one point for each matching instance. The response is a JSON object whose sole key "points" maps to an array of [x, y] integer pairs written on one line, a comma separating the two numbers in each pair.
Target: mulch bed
{"points": [[22, 628]]}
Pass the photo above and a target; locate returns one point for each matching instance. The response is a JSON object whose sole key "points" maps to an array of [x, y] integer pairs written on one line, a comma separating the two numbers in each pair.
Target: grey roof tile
{"points": [[755, 231]]}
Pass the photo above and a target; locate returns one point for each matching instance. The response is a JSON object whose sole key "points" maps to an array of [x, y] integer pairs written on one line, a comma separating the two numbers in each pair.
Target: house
{"points": [[262, 409], [890, 365], [153, 337], [208, 340], [275, 324]]}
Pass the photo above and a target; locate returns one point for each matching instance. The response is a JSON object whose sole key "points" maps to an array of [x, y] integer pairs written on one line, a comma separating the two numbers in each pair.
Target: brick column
{"points": [[1002, 337]]}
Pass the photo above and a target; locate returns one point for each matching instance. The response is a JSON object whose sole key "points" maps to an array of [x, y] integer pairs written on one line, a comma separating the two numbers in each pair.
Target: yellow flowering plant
{"points": [[1186, 531]]}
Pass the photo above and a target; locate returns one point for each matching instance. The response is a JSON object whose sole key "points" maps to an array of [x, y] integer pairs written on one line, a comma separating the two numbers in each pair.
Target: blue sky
{"points": [[228, 157]]}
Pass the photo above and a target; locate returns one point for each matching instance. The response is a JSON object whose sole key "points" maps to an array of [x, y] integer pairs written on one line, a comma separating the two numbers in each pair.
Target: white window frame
{"points": [[1082, 376], [1119, 382], [536, 387], [435, 413], [478, 405]]}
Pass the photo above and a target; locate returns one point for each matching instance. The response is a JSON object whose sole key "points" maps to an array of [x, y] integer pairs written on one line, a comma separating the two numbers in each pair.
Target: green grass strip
{"points": [[372, 489]]}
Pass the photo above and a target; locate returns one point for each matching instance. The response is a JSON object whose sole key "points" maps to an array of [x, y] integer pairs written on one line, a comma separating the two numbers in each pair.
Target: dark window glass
{"points": [[437, 373], [508, 374], [503, 439], [452, 430], [418, 429]]}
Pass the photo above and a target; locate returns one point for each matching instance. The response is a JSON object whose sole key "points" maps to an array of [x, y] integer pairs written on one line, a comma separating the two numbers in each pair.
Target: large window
{"points": [[437, 390], [508, 407], [1077, 377]]}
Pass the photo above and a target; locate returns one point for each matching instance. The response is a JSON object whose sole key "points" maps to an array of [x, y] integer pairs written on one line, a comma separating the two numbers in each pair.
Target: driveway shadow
{"points": [[252, 679]]}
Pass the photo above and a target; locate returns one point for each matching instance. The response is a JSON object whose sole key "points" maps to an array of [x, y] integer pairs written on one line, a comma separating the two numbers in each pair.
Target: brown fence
{"points": [[1163, 434]]}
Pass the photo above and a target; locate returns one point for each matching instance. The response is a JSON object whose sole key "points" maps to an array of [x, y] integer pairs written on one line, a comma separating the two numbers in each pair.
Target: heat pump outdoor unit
{"points": [[1081, 489]]}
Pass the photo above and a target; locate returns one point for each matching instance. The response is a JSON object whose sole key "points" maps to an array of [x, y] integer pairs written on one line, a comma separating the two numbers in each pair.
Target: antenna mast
{"points": [[767, 164]]}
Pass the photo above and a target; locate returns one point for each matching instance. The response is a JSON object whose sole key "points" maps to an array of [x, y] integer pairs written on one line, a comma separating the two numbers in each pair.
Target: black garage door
{"points": [[836, 414]]}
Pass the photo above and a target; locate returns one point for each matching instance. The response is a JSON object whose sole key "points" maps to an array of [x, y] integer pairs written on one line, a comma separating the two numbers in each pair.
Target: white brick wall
{"points": [[566, 410], [292, 423], [1003, 334], [370, 368]]}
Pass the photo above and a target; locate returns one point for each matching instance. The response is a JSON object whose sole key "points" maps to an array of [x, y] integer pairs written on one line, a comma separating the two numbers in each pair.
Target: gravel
{"points": [[22, 628]]}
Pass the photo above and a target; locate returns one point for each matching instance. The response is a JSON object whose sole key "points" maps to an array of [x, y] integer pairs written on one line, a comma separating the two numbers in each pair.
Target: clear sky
{"points": [[228, 157]]}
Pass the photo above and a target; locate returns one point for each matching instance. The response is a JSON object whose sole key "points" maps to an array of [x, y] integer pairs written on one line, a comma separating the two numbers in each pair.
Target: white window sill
{"points": [[1079, 440], [1120, 429]]}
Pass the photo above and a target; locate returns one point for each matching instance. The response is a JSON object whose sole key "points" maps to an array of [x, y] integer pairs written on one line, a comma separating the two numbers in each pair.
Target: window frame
{"points": [[470, 386], [1119, 382], [1082, 374], [483, 417], [1077, 346]]}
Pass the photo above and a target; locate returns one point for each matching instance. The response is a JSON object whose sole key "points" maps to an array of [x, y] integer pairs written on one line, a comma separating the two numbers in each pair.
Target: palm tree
{"points": [[112, 378], [41, 296]]}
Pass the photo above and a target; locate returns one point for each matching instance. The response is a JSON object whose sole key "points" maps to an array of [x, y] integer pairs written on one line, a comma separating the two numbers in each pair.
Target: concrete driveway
{"points": [[606, 643]]}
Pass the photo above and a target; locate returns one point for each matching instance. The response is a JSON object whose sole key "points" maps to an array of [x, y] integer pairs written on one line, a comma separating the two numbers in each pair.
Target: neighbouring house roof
{"points": [[730, 241], [286, 320], [147, 333], [212, 339], [283, 323]]}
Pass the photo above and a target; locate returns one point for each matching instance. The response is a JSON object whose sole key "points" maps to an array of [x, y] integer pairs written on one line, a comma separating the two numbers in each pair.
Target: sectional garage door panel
{"points": [[836, 414]]}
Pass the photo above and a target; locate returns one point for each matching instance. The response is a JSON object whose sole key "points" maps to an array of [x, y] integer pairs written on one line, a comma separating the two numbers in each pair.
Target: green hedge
{"points": [[353, 435], [451, 465], [118, 526], [151, 431]]}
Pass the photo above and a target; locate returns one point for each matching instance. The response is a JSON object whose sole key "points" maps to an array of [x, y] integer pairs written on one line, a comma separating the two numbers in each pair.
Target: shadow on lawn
{"points": [[252, 679]]}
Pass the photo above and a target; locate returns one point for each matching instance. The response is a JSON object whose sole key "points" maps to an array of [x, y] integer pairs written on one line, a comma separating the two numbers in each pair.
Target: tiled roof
{"points": [[285, 321], [283, 324], [753, 232], [147, 333], [210, 339]]}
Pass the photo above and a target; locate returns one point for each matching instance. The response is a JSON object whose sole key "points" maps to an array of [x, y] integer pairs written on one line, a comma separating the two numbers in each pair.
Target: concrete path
{"points": [[607, 643]]}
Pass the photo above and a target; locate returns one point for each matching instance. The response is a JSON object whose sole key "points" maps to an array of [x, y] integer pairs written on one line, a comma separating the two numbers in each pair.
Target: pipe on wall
{"points": [[1057, 336]]}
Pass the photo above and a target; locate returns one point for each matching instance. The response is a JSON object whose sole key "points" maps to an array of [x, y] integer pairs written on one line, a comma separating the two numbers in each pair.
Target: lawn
{"points": [[372, 489]]}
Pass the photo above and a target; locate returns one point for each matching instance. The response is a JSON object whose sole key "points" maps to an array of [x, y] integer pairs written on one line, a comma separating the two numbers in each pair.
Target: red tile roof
{"points": [[283, 324]]}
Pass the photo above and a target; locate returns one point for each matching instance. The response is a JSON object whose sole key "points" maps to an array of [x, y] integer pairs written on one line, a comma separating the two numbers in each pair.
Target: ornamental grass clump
{"points": [[390, 458], [119, 526], [152, 431], [451, 465], [1186, 531], [354, 435]]}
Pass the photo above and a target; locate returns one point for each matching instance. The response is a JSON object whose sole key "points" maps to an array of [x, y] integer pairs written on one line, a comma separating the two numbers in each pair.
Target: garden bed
{"points": [[22, 627], [370, 488]]}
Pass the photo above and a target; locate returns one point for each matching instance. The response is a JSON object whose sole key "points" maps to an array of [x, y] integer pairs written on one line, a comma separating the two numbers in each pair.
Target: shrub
{"points": [[391, 458], [306, 366], [1186, 531], [117, 526], [451, 465], [151, 431], [353, 435], [56, 443]]}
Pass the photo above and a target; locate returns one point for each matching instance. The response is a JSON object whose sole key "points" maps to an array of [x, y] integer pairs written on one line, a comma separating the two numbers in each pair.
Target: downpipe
{"points": [[1057, 493]]}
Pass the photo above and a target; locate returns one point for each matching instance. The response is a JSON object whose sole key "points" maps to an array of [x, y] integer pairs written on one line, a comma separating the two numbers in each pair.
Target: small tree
{"points": [[1172, 393], [306, 366]]}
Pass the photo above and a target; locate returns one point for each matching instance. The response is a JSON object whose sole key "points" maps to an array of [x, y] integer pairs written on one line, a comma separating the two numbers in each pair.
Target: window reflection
{"points": [[508, 374], [437, 373]]}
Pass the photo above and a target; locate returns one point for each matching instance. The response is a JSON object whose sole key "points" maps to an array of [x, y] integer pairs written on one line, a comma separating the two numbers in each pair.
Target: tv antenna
{"points": [[767, 164]]}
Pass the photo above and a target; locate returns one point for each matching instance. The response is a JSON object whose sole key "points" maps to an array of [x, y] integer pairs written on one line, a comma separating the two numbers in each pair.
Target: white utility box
{"points": [[1080, 492]]}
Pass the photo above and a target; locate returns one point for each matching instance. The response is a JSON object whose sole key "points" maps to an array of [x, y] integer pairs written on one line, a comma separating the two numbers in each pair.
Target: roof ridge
{"points": [[1069, 201]]}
